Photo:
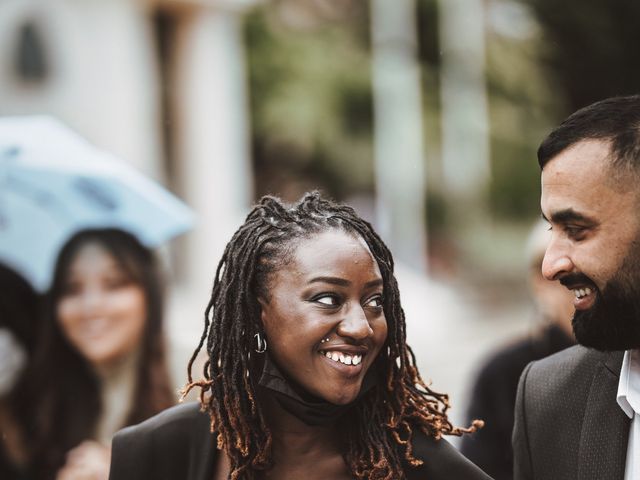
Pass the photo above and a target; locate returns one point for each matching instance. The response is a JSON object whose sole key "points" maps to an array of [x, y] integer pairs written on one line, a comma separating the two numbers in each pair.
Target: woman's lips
{"points": [[346, 359], [349, 371]]}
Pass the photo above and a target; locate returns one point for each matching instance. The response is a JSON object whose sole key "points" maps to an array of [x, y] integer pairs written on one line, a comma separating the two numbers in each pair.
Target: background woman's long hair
{"points": [[68, 391], [19, 310]]}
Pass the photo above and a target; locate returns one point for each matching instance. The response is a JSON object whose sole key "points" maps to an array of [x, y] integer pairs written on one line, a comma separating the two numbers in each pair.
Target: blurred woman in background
{"points": [[18, 316], [101, 364]]}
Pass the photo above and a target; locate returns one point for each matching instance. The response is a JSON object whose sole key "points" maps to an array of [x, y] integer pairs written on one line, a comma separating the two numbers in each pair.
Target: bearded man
{"points": [[578, 412]]}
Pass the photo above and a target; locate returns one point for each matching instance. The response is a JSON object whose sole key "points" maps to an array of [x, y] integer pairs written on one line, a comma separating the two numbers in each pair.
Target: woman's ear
{"points": [[263, 309]]}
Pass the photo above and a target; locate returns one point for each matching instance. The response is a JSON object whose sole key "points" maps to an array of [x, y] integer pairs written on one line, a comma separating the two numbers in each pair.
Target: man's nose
{"points": [[354, 324], [557, 261]]}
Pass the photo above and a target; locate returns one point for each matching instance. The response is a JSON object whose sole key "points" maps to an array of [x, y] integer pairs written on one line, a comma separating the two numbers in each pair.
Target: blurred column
{"points": [[398, 142], [465, 119], [212, 146], [101, 74]]}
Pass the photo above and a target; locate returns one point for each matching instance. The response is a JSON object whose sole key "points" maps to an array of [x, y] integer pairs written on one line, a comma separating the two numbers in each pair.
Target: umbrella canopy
{"points": [[54, 183]]}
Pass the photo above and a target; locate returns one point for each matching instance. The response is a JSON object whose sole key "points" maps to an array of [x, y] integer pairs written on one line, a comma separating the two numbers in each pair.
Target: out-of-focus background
{"points": [[425, 115]]}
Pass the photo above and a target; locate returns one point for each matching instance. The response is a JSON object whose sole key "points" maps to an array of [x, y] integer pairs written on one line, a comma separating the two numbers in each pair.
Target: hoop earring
{"points": [[261, 343]]}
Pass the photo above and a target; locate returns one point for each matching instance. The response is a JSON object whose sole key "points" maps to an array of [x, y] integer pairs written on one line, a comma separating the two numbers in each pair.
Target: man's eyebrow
{"points": [[568, 215]]}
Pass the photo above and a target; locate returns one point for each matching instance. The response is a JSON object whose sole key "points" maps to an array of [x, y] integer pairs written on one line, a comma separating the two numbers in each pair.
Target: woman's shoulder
{"points": [[176, 443], [177, 420], [441, 461]]}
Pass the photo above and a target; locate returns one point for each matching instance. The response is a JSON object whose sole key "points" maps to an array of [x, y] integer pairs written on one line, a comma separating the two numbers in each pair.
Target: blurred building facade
{"points": [[162, 84]]}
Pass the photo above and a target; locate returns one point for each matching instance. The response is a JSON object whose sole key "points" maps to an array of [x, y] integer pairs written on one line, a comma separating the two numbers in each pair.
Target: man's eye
{"points": [[575, 231]]}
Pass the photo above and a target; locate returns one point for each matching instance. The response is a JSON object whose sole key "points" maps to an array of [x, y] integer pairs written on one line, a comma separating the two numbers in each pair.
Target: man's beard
{"points": [[613, 322]]}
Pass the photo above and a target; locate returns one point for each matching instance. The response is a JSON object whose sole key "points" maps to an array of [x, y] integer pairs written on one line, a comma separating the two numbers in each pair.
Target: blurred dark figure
{"points": [[494, 392], [18, 316], [101, 365]]}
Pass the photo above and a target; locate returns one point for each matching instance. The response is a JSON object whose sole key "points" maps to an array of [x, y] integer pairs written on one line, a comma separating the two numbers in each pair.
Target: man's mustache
{"points": [[576, 280]]}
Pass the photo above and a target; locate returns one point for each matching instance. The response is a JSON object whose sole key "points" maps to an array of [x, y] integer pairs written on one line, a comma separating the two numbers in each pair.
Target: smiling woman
{"points": [[309, 375], [101, 364]]}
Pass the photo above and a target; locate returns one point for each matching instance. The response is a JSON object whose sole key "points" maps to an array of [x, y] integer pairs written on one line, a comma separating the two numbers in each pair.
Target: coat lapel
{"points": [[605, 428]]}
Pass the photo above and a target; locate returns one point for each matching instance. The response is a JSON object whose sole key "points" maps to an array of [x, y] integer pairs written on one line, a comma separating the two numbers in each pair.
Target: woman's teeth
{"points": [[343, 358], [582, 292]]}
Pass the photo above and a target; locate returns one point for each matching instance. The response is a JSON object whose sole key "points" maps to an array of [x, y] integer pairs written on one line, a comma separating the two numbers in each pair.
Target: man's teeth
{"points": [[343, 358], [582, 292]]}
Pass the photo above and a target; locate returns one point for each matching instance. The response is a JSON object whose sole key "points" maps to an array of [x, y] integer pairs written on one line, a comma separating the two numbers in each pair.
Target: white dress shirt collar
{"points": [[629, 400], [629, 385]]}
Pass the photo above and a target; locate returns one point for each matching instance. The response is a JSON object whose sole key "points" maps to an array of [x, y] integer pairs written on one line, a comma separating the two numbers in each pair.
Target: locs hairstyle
{"points": [[68, 390], [379, 432]]}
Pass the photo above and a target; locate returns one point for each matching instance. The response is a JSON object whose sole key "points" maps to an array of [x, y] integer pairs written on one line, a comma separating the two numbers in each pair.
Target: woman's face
{"points": [[332, 289], [101, 312]]}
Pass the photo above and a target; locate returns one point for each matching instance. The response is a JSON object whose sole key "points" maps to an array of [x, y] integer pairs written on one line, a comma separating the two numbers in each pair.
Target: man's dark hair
{"points": [[378, 434], [615, 119]]}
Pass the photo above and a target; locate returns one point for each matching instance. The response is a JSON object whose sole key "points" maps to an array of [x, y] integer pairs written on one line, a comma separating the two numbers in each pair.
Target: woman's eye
{"points": [[114, 283], [330, 300], [374, 302], [71, 288]]}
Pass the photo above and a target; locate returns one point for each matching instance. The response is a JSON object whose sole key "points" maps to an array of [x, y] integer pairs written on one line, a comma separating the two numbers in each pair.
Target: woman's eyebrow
{"points": [[332, 280], [374, 283], [342, 282]]}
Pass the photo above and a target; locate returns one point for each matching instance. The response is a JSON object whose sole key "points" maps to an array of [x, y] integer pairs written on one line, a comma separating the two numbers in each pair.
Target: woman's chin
{"points": [[343, 396]]}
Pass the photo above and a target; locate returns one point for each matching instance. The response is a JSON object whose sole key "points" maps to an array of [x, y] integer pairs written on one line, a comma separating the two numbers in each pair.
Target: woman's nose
{"points": [[92, 299], [355, 324]]}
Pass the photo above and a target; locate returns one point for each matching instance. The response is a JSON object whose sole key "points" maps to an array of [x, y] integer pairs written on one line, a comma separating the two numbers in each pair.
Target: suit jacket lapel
{"points": [[605, 428]]}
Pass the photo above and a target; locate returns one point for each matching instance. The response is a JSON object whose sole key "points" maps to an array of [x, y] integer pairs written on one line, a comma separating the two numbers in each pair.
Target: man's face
{"points": [[595, 244]]}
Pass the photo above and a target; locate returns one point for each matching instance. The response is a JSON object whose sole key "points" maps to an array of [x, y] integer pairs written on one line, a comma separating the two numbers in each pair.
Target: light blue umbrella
{"points": [[53, 183]]}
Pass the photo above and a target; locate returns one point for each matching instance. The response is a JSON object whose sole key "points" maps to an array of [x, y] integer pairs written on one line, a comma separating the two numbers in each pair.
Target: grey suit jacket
{"points": [[568, 424]]}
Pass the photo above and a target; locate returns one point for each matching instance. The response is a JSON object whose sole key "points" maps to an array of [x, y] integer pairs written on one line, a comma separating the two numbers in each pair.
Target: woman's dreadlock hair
{"points": [[379, 433]]}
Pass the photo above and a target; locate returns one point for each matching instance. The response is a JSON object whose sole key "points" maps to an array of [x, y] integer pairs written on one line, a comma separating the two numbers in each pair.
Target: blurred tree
{"points": [[523, 108], [591, 48], [309, 78]]}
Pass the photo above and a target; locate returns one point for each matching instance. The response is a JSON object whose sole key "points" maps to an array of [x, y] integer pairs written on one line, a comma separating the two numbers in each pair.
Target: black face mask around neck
{"points": [[311, 410]]}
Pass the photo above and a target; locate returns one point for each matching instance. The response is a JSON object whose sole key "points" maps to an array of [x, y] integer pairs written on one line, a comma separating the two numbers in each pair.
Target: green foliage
{"points": [[522, 109], [591, 48], [515, 186], [311, 105]]}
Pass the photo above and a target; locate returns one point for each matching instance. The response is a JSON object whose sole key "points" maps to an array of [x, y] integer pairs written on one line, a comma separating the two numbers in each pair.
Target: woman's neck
{"points": [[117, 388], [294, 438]]}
